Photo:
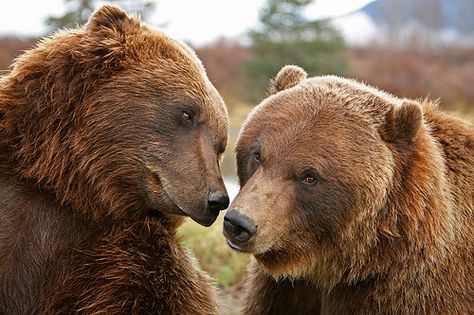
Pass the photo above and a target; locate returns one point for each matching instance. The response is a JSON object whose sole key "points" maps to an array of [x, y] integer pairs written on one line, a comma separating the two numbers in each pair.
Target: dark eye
{"points": [[188, 116], [256, 157], [309, 180]]}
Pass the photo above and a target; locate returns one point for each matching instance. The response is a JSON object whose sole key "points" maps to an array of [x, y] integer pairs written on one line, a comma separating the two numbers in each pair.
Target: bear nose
{"points": [[238, 226], [217, 200]]}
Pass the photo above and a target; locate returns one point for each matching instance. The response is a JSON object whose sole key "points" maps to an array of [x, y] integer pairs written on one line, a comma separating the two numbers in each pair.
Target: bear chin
{"points": [[280, 264]]}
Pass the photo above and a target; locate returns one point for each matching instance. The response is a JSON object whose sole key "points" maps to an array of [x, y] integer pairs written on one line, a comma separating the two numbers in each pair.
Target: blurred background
{"points": [[415, 49]]}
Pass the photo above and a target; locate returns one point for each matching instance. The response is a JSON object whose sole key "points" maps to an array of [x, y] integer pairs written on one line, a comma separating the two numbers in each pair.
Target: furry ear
{"points": [[402, 123], [287, 77], [108, 18], [106, 34]]}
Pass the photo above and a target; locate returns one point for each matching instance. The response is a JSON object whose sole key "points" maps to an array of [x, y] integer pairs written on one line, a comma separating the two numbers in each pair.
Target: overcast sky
{"points": [[199, 22]]}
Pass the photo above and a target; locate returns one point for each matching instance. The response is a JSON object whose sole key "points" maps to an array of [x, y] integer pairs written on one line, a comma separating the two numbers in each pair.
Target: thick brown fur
{"points": [[362, 198], [109, 134]]}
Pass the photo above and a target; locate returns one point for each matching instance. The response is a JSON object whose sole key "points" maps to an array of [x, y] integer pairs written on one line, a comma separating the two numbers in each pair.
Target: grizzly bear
{"points": [[353, 201], [109, 135]]}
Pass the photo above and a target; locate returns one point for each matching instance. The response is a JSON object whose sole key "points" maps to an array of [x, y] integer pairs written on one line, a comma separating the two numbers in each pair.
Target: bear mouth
{"points": [[234, 246], [237, 247]]}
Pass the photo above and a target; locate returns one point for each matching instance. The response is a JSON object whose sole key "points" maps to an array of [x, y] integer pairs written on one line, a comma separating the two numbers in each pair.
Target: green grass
{"points": [[214, 255]]}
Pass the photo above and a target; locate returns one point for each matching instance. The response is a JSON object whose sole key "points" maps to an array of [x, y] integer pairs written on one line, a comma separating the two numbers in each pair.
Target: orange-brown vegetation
{"points": [[446, 74], [223, 61], [10, 47]]}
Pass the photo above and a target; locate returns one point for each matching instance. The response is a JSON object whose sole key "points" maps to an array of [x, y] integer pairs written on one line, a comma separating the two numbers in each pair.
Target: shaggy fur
{"points": [[93, 172], [362, 198]]}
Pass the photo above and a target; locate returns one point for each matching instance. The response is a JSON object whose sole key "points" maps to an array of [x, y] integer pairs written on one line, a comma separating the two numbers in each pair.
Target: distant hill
{"points": [[436, 15]]}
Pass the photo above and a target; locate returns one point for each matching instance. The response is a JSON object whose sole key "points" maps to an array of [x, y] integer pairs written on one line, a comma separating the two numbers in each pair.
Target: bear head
{"points": [[323, 166], [117, 119]]}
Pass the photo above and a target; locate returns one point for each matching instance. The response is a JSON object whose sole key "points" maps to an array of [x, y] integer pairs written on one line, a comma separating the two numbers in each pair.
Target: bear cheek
{"points": [[328, 210], [275, 226], [157, 199]]}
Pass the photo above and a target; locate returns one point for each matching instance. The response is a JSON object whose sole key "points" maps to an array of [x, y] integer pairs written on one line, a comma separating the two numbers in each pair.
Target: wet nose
{"points": [[238, 226], [217, 200]]}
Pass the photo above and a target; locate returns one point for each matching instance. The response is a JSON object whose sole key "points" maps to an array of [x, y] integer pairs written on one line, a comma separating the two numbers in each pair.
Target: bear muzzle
{"points": [[217, 200], [202, 207]]}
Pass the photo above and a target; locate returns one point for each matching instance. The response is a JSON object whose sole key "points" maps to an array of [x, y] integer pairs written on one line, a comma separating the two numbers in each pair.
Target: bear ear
{"points": [[402, 123], [287, 77], [108, 17], [106, 34]]}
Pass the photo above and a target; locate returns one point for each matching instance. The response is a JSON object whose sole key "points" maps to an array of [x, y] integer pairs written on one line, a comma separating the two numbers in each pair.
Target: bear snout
{"points": [[238, 228]]}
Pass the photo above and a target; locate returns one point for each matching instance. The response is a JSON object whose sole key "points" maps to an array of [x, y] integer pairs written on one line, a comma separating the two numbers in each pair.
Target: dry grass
{"points": [[445, 74], [11, 47]]}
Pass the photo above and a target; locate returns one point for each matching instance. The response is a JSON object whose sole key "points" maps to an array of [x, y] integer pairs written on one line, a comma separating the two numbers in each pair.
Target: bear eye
{"points": [[188, 117], [309, 180], [256, 157]]}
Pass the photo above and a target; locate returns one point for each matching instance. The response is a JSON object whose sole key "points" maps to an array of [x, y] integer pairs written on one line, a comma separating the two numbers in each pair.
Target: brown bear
{"points": [[353, 201], [109, 135]]}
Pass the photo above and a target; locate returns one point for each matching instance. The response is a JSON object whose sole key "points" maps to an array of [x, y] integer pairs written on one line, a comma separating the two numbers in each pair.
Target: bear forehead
{"points": [[323, 114], [172, 68], [186, 70], [318, 134], [327, 97]]}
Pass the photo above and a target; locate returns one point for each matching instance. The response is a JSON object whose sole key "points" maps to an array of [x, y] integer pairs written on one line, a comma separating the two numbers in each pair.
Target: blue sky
{"points": [[199, 22]]}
